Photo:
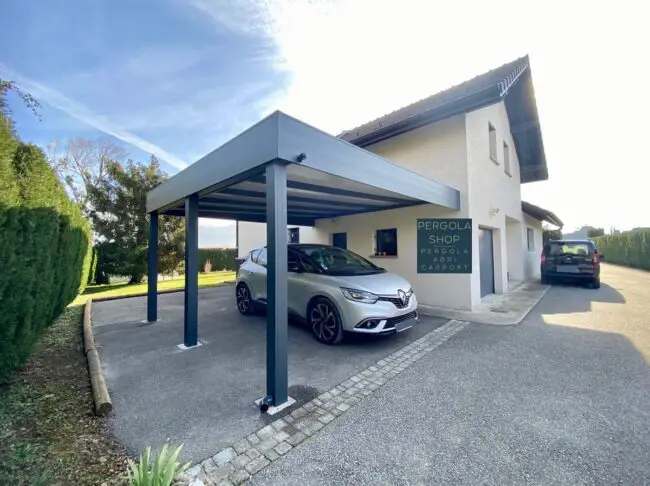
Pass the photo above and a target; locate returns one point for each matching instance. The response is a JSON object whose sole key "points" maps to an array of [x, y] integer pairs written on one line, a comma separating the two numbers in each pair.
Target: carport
{"points": [[280, 171]]}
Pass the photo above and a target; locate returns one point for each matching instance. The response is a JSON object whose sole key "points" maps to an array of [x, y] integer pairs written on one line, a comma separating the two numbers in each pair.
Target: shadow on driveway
{"points": [[579, 298], [537, 403]]}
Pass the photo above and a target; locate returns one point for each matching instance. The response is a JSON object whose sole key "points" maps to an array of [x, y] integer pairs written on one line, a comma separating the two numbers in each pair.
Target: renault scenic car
{"points": [[333, 290]]}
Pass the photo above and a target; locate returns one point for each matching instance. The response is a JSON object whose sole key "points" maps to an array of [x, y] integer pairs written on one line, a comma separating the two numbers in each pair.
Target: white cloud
{"points": [[215, 223], [81, 112]]}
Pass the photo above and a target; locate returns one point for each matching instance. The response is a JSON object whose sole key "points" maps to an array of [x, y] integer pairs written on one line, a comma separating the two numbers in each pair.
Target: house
{"points": [[481, 137]]}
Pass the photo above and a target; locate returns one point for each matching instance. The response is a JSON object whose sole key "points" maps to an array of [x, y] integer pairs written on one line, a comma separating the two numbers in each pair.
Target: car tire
{"points": [[325, 322], [245, 303], [545, 280], [595, 284]]}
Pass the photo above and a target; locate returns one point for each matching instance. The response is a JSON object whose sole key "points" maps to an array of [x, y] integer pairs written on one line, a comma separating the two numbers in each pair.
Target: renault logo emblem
{"points": [[402, 296]]}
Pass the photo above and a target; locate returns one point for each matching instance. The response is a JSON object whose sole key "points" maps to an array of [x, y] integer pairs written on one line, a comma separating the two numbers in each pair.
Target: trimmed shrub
{"points": [[44, 249], [631, 248], [220, 258]]}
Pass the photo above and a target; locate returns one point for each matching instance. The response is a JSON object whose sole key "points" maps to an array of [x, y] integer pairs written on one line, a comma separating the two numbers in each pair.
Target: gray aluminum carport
{"points": [[280, 171]]}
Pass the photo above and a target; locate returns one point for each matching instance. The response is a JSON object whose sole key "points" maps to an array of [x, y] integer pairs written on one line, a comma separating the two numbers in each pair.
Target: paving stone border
{"points": [[235, 465]]}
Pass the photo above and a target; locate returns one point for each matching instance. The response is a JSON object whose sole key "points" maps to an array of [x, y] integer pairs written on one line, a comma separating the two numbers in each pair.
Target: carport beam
{"points": [[276, 283], [152, 276], [191, 271]]}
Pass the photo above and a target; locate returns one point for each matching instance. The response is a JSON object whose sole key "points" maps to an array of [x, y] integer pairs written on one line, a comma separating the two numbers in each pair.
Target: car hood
{"points": [[379, 283]]}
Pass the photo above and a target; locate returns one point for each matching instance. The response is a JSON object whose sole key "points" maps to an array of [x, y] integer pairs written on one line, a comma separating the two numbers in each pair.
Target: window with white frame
{"points": [[530, 233], [506, 158], [493, 142]]}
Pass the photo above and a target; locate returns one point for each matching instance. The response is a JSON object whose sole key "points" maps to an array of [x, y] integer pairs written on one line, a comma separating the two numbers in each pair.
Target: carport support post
{"points": [[277, 380], [191, 270], [152, 275]]}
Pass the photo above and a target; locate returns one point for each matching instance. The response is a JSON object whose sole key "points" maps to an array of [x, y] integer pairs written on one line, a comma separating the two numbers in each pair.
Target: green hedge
{"points": [[631, 248], [45, 253], [220, 258]]}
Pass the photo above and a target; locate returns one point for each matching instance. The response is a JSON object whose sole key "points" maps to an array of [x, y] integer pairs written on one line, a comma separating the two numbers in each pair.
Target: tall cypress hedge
{"points": [[45, 250], [220, 258], [631, 248]]}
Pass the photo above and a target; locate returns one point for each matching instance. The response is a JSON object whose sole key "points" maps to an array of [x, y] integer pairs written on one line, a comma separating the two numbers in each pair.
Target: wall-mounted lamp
{"points": [[494, 211]]}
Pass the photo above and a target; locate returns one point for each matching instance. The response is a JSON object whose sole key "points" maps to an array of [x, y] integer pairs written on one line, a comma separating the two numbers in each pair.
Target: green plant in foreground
{"points": [[162, 472]]}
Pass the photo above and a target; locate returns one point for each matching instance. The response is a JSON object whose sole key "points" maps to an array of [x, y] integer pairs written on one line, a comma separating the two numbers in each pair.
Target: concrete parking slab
{"points": [[203, 397]]}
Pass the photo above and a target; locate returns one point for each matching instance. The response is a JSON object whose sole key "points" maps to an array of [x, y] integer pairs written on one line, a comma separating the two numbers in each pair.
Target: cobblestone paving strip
{"points": [[235, 465]]}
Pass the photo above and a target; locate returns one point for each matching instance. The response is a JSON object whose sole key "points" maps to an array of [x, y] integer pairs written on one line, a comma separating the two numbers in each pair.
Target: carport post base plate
{"points": [[273, 410], [182, 347]]}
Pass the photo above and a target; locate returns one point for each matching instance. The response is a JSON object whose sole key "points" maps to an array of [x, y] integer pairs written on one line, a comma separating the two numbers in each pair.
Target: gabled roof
{"points": [[541, 214], [511, 83]]}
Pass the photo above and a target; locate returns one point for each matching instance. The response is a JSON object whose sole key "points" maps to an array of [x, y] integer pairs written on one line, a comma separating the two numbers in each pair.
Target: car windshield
{"points": [[570, 248], [337, 261]]}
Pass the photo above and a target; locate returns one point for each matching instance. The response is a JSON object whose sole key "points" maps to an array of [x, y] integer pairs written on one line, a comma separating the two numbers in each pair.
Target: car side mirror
{"points": [[601, 256]]}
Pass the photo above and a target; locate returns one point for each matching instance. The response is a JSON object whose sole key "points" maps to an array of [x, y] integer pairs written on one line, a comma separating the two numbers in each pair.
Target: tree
{"points": [[550, 234], [118, 210], [83, 164], [595, 232], [28, 100]]}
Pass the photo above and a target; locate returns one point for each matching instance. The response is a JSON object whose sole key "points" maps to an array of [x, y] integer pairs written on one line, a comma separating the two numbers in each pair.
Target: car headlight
{"points": [[359, 296]]}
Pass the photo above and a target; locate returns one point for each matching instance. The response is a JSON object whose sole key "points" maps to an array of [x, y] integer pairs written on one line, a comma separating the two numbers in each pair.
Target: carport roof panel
{"points": [[332, 171], [327, 197]]}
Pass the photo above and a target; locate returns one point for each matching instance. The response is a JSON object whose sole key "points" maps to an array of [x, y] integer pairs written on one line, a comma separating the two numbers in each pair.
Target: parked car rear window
{"points": [[570, 248]]}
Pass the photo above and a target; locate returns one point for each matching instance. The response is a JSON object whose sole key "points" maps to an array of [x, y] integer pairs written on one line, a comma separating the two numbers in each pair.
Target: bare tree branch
{"points": [[82, 164], [28, 100]]}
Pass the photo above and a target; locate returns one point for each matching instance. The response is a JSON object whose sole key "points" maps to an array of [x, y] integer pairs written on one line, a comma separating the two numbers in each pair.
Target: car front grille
{"points": [[397, 302], [390, 323]]}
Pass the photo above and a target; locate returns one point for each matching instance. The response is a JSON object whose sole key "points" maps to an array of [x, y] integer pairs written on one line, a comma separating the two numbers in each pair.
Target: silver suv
{"points": [[333, 290]]}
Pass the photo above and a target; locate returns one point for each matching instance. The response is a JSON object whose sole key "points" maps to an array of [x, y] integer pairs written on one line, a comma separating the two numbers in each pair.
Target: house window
{"points": [[340, 240], [493, 143], [530, 233], [294, 235], [506, 158], [386, 242]]}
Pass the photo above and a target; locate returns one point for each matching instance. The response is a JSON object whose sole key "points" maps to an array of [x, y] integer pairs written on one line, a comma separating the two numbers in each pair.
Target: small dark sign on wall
{"points": [[444, 245]]}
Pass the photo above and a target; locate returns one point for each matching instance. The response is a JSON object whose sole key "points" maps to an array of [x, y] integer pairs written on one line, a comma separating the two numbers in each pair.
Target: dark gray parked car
{"points": [[576, 260]]}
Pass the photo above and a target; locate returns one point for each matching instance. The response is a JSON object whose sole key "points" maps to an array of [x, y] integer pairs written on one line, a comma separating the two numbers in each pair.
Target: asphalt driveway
{"points": [[563, 398], [203, 397]]}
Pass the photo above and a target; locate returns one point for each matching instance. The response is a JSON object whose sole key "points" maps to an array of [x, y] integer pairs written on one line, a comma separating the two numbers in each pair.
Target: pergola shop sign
{"points": [[444, 245]]}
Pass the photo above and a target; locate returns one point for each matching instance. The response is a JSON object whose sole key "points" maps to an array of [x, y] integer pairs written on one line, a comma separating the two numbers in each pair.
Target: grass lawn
{"points": [[124, 289], [49, 434]]}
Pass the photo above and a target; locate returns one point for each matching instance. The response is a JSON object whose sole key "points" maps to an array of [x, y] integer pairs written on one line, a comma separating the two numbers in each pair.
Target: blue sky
{"points": [[177, 78]]}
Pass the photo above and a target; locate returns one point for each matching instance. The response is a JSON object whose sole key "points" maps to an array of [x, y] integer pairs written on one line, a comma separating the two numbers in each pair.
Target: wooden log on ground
{"points": [[89, 338], [103, 403]]}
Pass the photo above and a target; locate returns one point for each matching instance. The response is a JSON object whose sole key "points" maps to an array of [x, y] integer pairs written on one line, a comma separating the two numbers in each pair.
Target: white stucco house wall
{"points": [[467, 140]]}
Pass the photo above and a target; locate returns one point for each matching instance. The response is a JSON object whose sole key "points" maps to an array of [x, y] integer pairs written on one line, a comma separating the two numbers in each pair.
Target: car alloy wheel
{"points": [[244, 301], [325, 322]]}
